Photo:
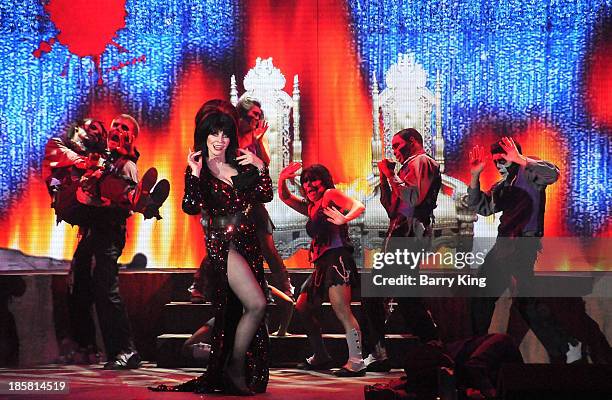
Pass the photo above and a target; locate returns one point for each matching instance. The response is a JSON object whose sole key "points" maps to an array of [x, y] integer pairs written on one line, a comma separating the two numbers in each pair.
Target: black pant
{"points": [[516, 258], [103, 242], [280, 275], [9, 339], [478, 360], [413, 310], [10, 286]]}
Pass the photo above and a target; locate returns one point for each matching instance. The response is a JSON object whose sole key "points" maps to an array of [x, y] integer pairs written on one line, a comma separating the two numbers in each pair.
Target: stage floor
{"points": [[93, 382]]}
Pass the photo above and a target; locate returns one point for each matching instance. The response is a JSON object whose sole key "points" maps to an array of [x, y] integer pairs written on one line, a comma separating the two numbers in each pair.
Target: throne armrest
{"points": [[458, 187]]}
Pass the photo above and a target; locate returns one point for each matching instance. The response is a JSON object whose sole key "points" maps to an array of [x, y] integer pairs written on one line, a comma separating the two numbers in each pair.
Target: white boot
{"points": [[355, 366]]}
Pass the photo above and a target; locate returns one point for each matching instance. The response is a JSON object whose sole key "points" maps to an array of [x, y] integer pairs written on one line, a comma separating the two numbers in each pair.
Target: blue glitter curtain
{"points": [[37, 102], [503, 60]]}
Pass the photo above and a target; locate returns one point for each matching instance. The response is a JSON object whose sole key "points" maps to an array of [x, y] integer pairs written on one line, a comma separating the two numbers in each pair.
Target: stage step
{"points": [[284, 351], [182, 317], [184, 280]]}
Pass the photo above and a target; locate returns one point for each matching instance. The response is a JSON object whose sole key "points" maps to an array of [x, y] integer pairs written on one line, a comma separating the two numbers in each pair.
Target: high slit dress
{"points": [[231, 223]]}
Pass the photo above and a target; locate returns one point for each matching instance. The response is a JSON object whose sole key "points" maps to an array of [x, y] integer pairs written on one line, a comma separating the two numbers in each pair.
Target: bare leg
{"points": [[202, 334], [340, 299], [243, 283]]}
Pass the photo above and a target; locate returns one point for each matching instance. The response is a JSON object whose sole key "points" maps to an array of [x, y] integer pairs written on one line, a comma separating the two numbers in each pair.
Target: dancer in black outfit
{"points": [[251, 130], [409, 197], [328, 210], [520, 196]]}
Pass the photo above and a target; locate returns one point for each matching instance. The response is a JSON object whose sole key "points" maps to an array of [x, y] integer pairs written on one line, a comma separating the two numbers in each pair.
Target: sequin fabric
{"points": [[221, 200]]}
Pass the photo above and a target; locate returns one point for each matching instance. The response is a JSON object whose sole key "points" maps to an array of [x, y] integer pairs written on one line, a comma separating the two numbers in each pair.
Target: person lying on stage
{"points": [[471, 365]]}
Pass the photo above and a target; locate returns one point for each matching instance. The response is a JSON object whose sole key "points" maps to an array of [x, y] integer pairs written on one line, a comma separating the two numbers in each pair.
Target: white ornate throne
{"points": [[265, 83], [406, 102]]}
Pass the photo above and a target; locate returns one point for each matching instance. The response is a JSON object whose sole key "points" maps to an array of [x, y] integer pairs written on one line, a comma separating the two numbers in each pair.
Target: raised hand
{"points": [[290, 171], [334, 216], [512, 153], [386, 167], [249, 157], [194, 160], [477, 160], [261, 129]]}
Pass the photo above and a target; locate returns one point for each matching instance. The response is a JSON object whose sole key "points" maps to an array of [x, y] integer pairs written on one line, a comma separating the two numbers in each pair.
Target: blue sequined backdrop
{"points": [[512, 60]]}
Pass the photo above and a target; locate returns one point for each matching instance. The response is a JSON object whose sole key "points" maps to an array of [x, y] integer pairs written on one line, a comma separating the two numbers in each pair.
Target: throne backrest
{"points": [[265, 83], [406, 102]]}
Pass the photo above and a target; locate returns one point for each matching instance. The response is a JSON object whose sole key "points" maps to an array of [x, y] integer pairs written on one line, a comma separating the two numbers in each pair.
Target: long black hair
{"points": [[216, 120], [316, 172]]}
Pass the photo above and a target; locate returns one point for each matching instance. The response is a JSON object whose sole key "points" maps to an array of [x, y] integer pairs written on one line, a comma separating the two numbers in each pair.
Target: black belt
{"points": [[223, 221]]}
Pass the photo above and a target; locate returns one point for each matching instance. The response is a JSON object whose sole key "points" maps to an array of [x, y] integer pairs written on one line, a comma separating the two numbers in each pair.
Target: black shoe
{"points": [[195, 295], [158, 197], [124, 360], [141, 194], [379, 366], [231, 388], [347, 373], [315, 367]]}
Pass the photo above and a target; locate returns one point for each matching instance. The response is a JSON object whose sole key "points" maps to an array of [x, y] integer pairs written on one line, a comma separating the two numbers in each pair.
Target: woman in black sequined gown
{"points": [[227, 187]]}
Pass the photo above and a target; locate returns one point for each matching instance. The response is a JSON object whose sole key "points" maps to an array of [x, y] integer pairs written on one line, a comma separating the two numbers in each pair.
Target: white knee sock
{"points": [[353, 340]]}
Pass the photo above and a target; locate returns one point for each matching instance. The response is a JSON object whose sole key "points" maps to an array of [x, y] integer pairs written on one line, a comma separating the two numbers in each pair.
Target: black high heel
{"points": [[231, 388]]}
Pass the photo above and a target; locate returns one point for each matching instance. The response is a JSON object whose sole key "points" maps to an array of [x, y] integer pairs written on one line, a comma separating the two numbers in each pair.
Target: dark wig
{"points": [[216, 105], [215, 121], [317, 172]]}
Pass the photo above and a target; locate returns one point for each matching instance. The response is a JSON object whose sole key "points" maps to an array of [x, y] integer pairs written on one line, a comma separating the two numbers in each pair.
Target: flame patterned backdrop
{"points": [[539, 70]]}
